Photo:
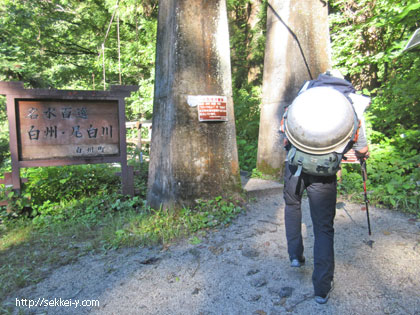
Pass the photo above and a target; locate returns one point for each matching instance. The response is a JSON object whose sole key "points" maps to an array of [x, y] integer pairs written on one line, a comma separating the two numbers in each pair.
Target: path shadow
{"points": [[243, 268]]}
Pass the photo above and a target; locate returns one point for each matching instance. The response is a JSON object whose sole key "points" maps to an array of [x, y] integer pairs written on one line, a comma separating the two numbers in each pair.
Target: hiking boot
{"points": [[322, 299], [297, 262]]}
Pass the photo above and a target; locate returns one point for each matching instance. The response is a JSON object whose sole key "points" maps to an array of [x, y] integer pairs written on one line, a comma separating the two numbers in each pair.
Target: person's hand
{"points": [[362, 154]]}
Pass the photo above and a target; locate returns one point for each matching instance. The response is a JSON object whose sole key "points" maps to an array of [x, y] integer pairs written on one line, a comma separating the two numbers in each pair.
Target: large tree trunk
{"points": [[297, 44], [191, 159]]}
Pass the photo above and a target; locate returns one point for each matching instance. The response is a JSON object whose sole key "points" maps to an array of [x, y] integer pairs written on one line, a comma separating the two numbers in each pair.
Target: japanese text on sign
{"points": [[55, 129], [210, 107]]}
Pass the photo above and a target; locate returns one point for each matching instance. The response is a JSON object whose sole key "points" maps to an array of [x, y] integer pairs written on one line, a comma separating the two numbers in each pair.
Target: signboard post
{"points": [[63, 127]]}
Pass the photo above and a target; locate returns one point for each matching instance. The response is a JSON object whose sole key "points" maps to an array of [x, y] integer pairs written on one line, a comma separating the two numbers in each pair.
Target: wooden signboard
{"points": [[60, 129], [66, 127]]}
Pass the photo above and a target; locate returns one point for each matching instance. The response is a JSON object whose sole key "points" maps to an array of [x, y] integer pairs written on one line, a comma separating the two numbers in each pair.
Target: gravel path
{"points": [[244, 269]]}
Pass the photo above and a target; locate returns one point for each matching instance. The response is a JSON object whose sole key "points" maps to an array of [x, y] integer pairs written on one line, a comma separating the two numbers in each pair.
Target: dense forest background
{"points": [[75, 44]]}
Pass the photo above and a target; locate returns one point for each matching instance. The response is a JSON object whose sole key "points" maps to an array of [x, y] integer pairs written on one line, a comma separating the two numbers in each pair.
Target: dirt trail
{"points": [[244, 269]]}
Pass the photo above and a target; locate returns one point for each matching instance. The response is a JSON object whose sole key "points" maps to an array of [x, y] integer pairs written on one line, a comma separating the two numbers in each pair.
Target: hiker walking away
{"points": [[324, 121]]}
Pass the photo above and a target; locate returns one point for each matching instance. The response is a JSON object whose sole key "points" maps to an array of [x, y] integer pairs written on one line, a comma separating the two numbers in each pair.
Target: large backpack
{"points": [[324, 164], [327, 80]]}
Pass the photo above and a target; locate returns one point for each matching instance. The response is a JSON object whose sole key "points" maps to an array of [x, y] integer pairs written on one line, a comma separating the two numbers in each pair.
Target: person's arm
{"points": [[361, 147]]}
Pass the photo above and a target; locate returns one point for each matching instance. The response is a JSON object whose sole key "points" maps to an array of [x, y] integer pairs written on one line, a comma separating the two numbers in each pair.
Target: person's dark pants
{"points": [[322, 194]]}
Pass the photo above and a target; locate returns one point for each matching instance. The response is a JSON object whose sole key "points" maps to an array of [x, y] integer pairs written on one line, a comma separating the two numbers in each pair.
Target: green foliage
{"points": [[247, 113], [393, 178], [4, 133], [396, 108], [4, 145], [65, 183], [141, 176], [59, 44], [247, 20], [256, 173], [368, 38], [89, 211], [163, 226], [55, 192]]}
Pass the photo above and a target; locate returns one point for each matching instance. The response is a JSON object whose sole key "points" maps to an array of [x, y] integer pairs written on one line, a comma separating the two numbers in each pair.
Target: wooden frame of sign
{"points": [[51, 127]]}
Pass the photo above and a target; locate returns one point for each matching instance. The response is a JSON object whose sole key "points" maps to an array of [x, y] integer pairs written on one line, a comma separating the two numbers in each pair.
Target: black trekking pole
{"points": [[364, 175]]}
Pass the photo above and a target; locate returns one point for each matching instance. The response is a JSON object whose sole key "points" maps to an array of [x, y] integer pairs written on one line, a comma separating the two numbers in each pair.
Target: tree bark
{"points": [[297, 45], [191, 159]]}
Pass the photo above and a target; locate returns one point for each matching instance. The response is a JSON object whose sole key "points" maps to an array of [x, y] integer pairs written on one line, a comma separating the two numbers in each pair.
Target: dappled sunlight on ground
{"points": [[14, 237], [244, 269]]}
